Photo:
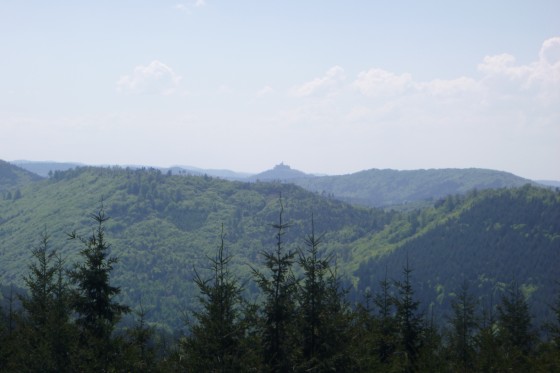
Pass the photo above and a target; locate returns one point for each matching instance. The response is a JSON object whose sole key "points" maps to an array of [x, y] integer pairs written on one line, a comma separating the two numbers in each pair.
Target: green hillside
{"points": [[394, 188], [487, 239], [162, 225], [12, 178]]}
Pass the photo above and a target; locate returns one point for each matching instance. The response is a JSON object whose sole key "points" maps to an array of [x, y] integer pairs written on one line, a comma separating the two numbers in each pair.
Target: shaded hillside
{"points": [[383, 188], [12, 178], [488, 239], [161, 226]]}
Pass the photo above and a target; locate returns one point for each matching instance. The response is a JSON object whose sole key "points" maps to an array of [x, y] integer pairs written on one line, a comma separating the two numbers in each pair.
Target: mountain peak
{"points": [[279, 172]]}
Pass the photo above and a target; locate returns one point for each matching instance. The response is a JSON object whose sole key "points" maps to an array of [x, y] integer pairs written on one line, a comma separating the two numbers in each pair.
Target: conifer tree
{"points": [[278, 312], [386, 341], [46, 331], [463, 327], [363, 332], [216, 342], [515, 328], [409, 321], [138, 354], [93, 298], [322, 312], [489, 357]]}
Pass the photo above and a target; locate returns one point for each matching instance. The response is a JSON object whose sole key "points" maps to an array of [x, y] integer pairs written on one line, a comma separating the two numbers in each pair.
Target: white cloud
{"points": [[378, 82], [550, 51], [506, 115], [156, 78], [200, 3], [328, 83], [536, 83]]}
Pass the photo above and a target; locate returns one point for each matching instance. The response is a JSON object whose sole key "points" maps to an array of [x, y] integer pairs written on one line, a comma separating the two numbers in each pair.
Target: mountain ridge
{"points": [[386, 188]]}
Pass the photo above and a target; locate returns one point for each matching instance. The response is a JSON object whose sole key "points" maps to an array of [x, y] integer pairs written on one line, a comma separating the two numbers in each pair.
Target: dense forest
{"points": [[185, 273], [68, 320]]}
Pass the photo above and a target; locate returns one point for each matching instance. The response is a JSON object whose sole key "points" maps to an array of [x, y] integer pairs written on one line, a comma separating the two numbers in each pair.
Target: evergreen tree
{"points": [[94, 298], [409, 321], [548, 359], [217, 338], [386, 342], [8, 342], [46, 331], [463, 327], [431, 356], [515, 329], [323, 317], [278, 312], [363, 331], [138, 354], [490, 357]]}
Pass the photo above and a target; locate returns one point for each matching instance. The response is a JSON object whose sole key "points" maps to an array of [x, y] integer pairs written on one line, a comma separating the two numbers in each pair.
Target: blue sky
{"points": [[324, 86]]}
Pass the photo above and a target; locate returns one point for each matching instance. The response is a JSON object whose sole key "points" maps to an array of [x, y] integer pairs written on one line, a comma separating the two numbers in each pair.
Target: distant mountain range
{"points": [[374, 188]]}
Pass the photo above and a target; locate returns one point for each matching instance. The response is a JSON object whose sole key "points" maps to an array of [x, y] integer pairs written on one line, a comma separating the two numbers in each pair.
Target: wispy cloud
{"points": [[378, 82], [156, 78], [506, 107], [328, 83]]}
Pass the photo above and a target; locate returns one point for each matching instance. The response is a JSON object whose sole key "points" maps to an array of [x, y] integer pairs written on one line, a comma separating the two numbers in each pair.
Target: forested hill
{"points": [[382, 188], [162, 226], [12, 178], [280, 172], [489, 240]]}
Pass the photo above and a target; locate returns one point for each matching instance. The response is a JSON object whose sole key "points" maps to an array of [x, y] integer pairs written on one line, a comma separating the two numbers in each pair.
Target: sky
{"points": [[325, 86]]}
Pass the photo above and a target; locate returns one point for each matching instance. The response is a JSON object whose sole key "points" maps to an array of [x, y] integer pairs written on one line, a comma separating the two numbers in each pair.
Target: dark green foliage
{"points": [[299, 325], [489, 238], [138, 351], [323, 319], [385, 344], [515, 327], [409, 321], [463, 325], [45, 331], [217, 337], [93, 298], [278, 286]]}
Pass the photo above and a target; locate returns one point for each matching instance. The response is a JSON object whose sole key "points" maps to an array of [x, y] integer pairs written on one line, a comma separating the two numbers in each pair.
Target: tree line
{"points": [[70, 320]]}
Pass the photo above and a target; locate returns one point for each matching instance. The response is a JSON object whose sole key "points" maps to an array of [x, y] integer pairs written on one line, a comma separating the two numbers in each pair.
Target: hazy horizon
{"points": [[325, 87], [250, 173]]}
